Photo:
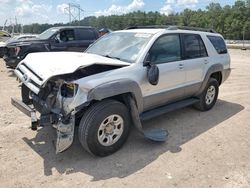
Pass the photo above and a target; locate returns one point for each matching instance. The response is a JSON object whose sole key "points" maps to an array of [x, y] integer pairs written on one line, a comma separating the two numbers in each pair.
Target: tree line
{"points": [[230, 21]]}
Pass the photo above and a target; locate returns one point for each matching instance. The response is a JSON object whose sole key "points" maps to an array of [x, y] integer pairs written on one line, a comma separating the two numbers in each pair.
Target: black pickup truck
{"points": [[65, 38]]}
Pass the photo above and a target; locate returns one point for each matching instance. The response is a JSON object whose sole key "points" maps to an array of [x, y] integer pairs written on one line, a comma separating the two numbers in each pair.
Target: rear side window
{"points": [[193, 46], [85, 34], [218, 43]]}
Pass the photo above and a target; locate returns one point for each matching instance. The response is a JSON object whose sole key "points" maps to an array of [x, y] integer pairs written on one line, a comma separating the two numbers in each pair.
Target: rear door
{"points": [[195, 61], [85, 37]]}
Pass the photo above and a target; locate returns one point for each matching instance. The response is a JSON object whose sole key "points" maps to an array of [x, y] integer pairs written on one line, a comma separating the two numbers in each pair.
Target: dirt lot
{"points": [[210, 149]]}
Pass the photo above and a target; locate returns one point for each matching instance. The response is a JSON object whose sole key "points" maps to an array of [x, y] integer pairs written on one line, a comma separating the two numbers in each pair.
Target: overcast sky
{"points": [[53, 11]]}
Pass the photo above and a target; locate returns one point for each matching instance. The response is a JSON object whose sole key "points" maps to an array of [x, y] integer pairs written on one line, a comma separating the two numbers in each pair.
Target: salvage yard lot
{"points": [[205, 149]]}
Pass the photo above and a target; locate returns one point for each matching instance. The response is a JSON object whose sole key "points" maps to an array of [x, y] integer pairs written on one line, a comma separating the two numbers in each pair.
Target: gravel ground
{"points": [[209, 149]]}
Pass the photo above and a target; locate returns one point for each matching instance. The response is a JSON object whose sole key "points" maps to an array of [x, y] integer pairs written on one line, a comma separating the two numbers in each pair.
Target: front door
{"points": [[64, 41], [166, 54]]}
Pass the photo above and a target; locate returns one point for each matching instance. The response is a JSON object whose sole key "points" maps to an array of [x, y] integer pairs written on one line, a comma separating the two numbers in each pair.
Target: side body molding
{"points": [[214, 68], [117, 87]]}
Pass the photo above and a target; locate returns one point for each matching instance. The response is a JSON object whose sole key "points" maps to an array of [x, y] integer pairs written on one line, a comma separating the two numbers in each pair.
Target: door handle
{"points": [[181, 66], [206, 61]]}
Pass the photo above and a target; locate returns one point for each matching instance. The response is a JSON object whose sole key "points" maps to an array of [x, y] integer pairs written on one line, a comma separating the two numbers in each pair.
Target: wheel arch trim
{"points": [[214, 68], [118, 87]]}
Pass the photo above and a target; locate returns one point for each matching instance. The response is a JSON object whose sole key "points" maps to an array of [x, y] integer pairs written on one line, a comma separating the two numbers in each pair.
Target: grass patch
{"points": [[237, 47]]}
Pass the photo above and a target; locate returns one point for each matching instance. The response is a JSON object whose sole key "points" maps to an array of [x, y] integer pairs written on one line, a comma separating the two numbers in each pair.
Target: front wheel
{"points": [[104, 127], [209, 96]]}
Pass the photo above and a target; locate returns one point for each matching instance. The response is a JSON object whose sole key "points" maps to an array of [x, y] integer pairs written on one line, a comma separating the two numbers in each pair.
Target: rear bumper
{"points": [[27, 110], [226, 73]]}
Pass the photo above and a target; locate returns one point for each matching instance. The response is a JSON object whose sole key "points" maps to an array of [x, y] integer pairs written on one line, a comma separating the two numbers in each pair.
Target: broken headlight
{"points": [[68, 90]]}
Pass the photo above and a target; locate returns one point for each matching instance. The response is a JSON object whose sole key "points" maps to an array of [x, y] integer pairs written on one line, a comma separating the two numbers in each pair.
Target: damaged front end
{"points": [[53, 104], [58, 99]]}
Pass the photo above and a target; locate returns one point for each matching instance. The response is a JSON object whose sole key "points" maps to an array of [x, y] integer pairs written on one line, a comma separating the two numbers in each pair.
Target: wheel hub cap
{"points": [[210, 95], [110, 130]]}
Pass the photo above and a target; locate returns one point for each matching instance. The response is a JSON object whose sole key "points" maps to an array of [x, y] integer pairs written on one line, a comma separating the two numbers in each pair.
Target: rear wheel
{"points": [[209, 95], [104, 127]]}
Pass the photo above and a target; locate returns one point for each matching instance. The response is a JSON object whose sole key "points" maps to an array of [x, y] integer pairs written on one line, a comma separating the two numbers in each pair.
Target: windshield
{"points": [[47, 34], [125, 46]]}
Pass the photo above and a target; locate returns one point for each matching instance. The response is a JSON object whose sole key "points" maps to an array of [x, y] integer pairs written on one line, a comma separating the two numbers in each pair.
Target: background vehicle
{"points": [[144, 72], [4, 36], [66, 38], [104, 31], [13, 39]]}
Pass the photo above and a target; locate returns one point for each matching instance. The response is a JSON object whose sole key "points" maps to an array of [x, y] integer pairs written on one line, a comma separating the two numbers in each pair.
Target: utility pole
{"points": [[5, 24], [74, 11], [16, 25], [69, 13], [243, 33]]}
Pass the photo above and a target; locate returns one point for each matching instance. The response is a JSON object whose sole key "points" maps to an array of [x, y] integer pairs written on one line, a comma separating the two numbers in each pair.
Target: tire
{"points": [[94, 128], [207, 102]]}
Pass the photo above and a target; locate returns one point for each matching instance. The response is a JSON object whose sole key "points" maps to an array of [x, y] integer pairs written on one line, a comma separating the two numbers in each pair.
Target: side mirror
{"points": [[54, 40], [153, 74], [152, 71]]}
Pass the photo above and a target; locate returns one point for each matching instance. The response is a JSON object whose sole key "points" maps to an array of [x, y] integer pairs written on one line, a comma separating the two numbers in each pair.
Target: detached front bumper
{"points": [[27, 110], [65, 128]]}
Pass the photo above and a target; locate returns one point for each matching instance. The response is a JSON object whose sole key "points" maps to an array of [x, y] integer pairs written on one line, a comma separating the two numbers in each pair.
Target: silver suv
{"points": [[123, 78]]}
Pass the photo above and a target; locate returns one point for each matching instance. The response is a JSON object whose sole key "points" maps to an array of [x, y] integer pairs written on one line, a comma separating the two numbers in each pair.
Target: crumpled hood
{"points": [[49, 64]]}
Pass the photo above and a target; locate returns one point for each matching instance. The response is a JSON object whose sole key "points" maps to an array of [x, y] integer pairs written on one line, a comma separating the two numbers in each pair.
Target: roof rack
{"points": [[191, 28], [173, 27], [149, 27]]}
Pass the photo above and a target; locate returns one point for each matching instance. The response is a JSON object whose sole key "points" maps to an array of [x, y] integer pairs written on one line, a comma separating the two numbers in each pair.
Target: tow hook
{"points": [[34, 121]]}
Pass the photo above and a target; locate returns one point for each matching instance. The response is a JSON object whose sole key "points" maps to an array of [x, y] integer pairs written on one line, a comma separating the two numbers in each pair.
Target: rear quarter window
{"points": [[193, 46], [218, 43], [85, 34]]}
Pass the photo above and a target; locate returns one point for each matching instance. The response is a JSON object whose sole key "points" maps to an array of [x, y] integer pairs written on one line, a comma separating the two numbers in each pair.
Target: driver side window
{"points": [[166, 49], [66, 36]]}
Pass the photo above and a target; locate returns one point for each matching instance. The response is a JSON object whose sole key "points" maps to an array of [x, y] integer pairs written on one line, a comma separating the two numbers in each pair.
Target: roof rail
{"points": [[191, 28], [149, 27], [173, 27]]}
